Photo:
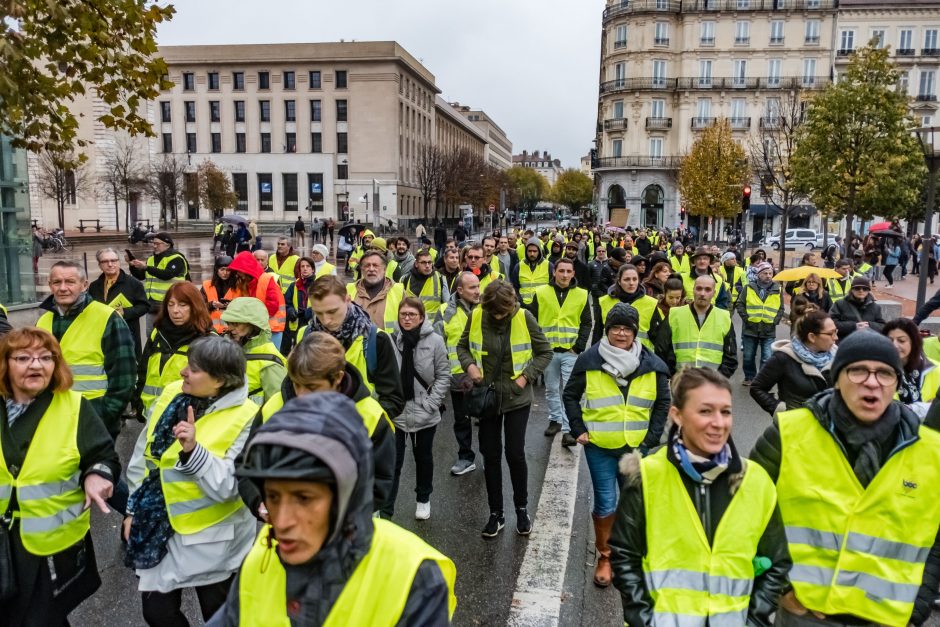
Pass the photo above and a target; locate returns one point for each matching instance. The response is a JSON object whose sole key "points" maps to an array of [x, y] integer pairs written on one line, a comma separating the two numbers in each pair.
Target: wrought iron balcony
{"points": [[706, 41], [927, 97], [638, 83], [700, 123], [906, 52], [717, 82], [620, 43], [615, 124], [712, 83], [757, 5], [742, 41], [667, 163], [776, 41], [845, 52], [811, 40], [661, 41], [658, 123], [637, 7], [770, 122], [740, 123], [930, 52]]}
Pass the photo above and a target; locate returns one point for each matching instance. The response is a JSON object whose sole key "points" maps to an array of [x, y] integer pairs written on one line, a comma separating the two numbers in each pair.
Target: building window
{"points": [[190, 142], [290, 111], [740, 72], [659, 73], [342, 171], [316, 142], [776, 33], [290, 142], [265, 110], [846, 41], [656, 148], [738, 112], [930, 40], [704, 108], [265, 192], [340, 79], [70, 191], [265, 142], [240, 145], [906, 41], [617, 148], [621, 39], [190, 107], [904, 78], [661, 37], [315, 190], [341, 111], [618, 109], [316, 113], [878, 35], [168, 142], [705, 73], [290, 80], [216, 142], [742, 33], [215, 113], [189, 81], [315, 79], [707, 34], [165, 112], [289, 181], [927, 85], [342, 143], [238, 81], [773, 72], [239, 110], [240, 187], [214, 81], [809, 72], [812, 32], [658, 108], [264, 80]]}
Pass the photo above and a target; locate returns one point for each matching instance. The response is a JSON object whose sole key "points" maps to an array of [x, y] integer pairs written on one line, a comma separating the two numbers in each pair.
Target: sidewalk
{"points": [[904, 292]]}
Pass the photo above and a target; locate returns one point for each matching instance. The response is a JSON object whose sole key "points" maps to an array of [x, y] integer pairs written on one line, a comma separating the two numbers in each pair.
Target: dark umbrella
{"points": [[234, 219], [887, 234], [351, 231]]}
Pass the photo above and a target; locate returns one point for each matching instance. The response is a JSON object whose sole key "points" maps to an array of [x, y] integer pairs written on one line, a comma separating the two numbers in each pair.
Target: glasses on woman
{"points": [[860, 374], [26, 360], [407, 315], [618, 329]]}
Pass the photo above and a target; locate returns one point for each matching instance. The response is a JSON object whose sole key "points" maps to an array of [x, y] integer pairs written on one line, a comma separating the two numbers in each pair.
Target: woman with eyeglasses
{"points": [[798, 367], [64, 461], [858, 310]]}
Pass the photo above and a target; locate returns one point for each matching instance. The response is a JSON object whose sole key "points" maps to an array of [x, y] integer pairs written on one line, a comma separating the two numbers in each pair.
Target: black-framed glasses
{"points": [[860, 374]]}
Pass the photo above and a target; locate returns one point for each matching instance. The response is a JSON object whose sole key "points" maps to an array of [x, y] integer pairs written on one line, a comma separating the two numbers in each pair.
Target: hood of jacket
{"points": [[533, 241], [252, 311], [246, 263]]}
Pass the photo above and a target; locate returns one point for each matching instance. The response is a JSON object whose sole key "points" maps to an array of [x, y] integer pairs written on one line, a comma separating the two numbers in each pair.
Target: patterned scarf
{"points": [[809, 356], [700, 469]]}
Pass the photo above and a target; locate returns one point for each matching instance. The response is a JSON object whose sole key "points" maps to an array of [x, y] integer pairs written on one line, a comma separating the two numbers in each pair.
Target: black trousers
{"points": [[422, 447], [513, 423], [598, 330], [162, 609], [889, 273], [463, 427]]}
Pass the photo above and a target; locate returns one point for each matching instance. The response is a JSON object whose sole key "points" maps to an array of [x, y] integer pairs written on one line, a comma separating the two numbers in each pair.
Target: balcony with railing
{"points": [[776, 41], [926, 97], [615, 124], [657, 83], [906, 52], [717, 82], [706, 42], [701, 123], [658, 123], [740, 124], [770, 122], [620, 43], [742, 41], [637, 83], [711, 6], [661, 41], [930, 52], [667, 163], [845, 52], [811, 40], [638, 7]]}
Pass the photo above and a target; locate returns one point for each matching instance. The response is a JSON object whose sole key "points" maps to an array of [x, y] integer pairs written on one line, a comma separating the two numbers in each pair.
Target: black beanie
{"points": [[623, 314], [865, 345]]}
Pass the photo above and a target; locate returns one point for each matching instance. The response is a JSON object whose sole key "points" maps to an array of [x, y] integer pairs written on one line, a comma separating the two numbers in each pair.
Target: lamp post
{"points": [[928, 137]]}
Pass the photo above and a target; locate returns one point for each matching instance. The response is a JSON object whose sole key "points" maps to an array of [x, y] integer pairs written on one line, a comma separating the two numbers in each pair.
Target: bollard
{"points": [[890, 309]]}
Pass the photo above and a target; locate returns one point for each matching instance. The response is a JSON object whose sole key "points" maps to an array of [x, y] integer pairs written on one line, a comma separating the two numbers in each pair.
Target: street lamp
{"points": [[928, 137]]}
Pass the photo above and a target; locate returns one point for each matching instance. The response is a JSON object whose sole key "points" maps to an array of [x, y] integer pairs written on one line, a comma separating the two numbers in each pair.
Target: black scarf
{"points": [[409, 340], [357, 323], [866, 444], [170, 337]]}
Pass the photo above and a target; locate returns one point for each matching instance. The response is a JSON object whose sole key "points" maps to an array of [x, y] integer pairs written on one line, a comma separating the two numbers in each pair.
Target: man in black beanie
{"points": [[858, 310], [857, 484]]}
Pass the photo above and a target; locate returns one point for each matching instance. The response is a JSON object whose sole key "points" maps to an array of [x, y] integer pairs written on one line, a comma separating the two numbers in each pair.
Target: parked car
{"points": [[796, 238]]}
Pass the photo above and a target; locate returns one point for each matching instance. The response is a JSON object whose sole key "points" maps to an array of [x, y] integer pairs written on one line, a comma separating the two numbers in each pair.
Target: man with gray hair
{"points": [[121, 292]]}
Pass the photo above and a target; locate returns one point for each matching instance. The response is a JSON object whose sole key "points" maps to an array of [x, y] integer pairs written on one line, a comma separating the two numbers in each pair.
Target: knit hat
{"points": [[763, 265], [322, 249], [861, 281], [865, 345], [379, 242], [623, 314], [727, 257], [619, 254], [165, 237]]}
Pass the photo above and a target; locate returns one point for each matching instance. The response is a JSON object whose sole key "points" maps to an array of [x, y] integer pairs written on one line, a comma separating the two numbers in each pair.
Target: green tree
{"points": [[215, 189], [713, 174], [526, 187], [52, 52], [573, 189], [857, 157]]}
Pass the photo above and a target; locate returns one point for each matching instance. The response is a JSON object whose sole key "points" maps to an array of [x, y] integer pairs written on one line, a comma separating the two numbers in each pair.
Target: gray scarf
{"points": [[619, 363]]}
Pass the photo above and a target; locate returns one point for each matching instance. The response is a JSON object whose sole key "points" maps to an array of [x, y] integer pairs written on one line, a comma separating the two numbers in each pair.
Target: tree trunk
{"points": [[60, 202], [849, 229], [784, 222]]}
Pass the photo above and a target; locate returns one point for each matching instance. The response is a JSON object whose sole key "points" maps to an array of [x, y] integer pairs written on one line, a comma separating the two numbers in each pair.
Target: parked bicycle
{"points": [[56, 242]]}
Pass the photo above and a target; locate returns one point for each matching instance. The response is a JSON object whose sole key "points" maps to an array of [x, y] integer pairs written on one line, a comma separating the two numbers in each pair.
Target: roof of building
{"points": [[444, 107]]}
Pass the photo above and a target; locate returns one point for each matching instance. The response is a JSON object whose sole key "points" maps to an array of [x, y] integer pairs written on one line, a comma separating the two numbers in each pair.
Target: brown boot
{"points": [[602, 572]]}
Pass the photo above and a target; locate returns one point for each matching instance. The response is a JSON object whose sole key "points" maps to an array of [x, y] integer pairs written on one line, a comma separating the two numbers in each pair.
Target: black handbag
{"points": [[7, 572], [481, 401]]}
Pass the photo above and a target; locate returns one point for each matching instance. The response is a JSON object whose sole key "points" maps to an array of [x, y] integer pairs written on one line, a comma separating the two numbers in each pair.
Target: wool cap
{"points": [[623, 314], [322, 249], [865, 345], [164, 237]]}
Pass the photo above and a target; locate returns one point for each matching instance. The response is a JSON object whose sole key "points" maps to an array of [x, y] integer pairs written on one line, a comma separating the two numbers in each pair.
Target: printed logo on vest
{"points": [[909, 486]]}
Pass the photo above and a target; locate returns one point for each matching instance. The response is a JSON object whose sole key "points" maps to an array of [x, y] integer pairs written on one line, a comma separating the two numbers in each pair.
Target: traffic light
{"points": [[681, 214], [746, 198]]}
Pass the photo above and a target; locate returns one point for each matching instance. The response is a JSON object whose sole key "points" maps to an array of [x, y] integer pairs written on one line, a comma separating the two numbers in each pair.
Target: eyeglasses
{"points": [[619, 329], [861, 289], [424, 262], [832, 333], [408, 314], [474, 257], [26, 360], [860, 374]]}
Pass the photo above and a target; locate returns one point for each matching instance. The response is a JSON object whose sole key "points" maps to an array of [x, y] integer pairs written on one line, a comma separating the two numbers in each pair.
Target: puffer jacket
{"points": [[313, 587], [848, 311], [628, 543], [796, 381], [245, 263], [496, 342], [758, 329], [432, 365]]}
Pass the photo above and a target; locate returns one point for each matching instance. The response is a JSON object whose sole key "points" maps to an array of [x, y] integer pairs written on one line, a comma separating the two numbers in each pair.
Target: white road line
{"points": [[536, 600]]}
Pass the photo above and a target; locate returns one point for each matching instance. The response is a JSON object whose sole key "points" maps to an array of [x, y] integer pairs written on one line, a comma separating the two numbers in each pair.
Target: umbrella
{"points": [[888, 234], [879, 226], [351, 231], [615, 229], [234, 219], [801, 272]]}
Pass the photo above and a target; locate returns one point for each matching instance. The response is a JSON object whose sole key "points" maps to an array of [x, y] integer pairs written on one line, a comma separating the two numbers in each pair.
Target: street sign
{"points": [[492, 208]]}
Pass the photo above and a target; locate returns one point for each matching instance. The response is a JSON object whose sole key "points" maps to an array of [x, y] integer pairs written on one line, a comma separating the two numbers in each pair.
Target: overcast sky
{"points": [[531, 65]]}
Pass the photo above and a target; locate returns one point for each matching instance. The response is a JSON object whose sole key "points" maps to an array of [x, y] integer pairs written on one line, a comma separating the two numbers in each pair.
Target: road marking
{"points": [[536, 600]]}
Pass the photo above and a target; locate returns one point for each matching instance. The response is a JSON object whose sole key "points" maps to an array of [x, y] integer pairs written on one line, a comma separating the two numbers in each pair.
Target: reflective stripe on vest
{"points": [[519, 339], [285, 271], [258, 359], [530, 280], [216, 314], [645, 306], [190, 509], [374, 595], [158, 377], [455, 321], [81, 348], [49, 494], [561, 324], [369, 410], [855, 550], [392, 301], [693, 582], [430, 294], [612, 420], [698, 347], [156, 288], [278, 321], [838, 288], [758, 310], [682, 267]]}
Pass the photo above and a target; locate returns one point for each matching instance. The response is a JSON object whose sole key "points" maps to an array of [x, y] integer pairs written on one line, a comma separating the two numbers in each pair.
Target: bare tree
{"points": [[165, 185], [124, 177], [430, 175], [771, 151], [63, 178]]}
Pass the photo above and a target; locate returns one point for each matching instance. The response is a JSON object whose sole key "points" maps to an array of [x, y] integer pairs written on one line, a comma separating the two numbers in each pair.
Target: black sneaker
{"points": [[568, 440], [495, 524], [552, 429], [523, 524]]}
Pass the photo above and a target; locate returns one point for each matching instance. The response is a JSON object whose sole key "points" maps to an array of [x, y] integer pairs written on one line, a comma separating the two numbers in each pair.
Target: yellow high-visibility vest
{"points": [[693, 582], [259, 358], [369, 410], [530, 280], [284, 271], [932, 349], [612, 420], [392, 302], [326, 269], [519, 338], [561, 323], [430, 295], [375, 594], [694, 346], [688, 281], [81, 348], [645, 306], [733, 281], [355, 355], [190, 509], [682, 267], [159, 377], [855, 550], [455, 321], [156, 288], [49, 495], [761, 310], [838, 288]]}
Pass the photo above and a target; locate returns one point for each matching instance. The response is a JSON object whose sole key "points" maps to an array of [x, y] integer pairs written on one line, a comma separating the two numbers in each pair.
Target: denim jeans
{"points": [[556, 377], [277, 338], [750, 354], [605, 478]]}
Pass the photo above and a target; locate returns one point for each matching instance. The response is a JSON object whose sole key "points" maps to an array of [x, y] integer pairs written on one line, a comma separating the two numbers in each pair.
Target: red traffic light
{"points": [[747, 191]]}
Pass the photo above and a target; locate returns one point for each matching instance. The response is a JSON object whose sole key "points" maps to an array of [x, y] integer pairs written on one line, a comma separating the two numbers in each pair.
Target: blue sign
{"points": [[316, 188], [265, 188]]}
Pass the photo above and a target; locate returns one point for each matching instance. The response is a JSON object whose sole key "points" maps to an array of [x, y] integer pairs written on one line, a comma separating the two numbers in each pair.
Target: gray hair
{"points": [[220, 358], [70, 264], [106, 250]]}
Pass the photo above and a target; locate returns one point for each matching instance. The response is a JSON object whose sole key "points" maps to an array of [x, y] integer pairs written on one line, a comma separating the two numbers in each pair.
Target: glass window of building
{"points": [[165, 112], [238, 81], [661, 37], [213, 81], [189, 81], [215, 111], [290, 111], [216, 142], [265, 142], [240, 187], [316, 113], [314, 79], [742, 32], [341, 111], [190, 108], [905, 41], [190, 142], [341, 79], [290, 142], [239, 110], [17, 275], [707, 33], [264, 80], [265, 192], [812, 32], [342, 143], [265, 106], [290, 80], [316, 142], [776, 32], [240, 144], [289, 183], [168, 142]]}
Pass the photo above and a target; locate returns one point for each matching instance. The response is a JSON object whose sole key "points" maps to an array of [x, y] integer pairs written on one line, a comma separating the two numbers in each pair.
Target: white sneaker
{"points": [[423, 511]]}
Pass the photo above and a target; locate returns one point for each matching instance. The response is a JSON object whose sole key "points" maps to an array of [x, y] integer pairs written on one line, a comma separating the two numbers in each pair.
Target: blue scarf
{"points": [[702, 470], [811, 357]]}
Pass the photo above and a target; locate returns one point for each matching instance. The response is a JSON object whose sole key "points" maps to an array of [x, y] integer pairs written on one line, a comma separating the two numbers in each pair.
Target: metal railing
{"points": [[658, 123], [758, 5], [769, 122], [643, 82], [615, 124], [637, 7], [740, 123], [668, 163], [712, 82], [700, 123]]}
